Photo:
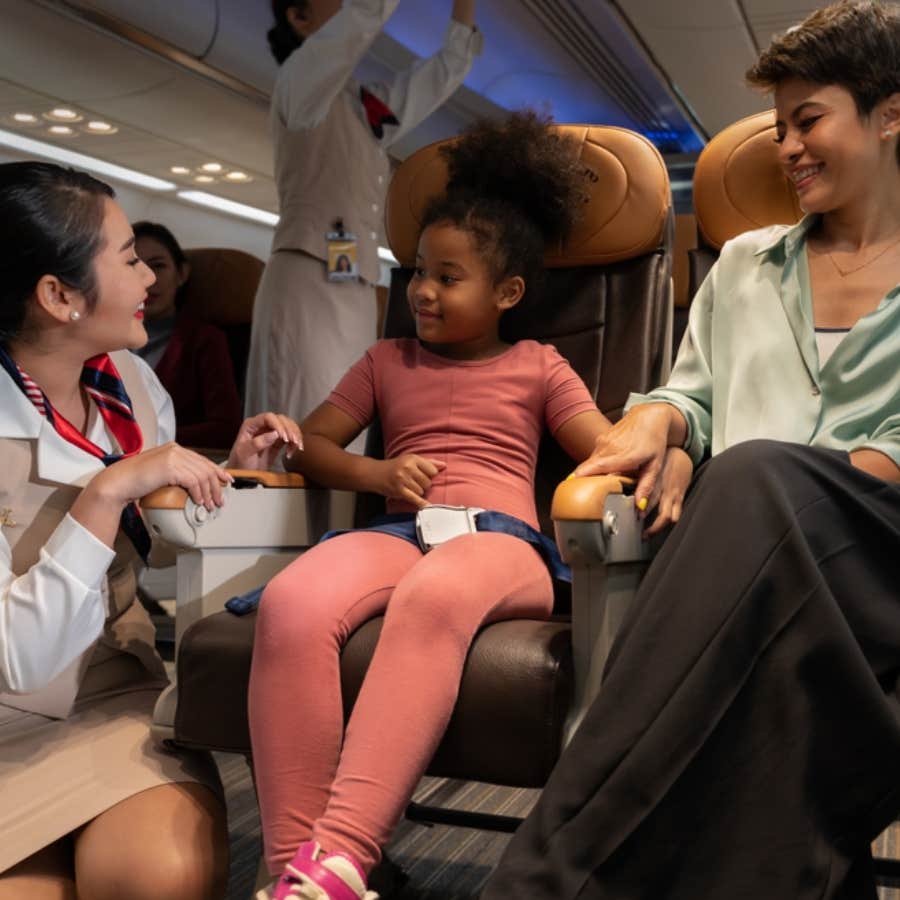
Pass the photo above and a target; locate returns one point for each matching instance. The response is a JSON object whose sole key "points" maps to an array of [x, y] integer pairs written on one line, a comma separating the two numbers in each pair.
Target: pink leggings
{"points": [[348, 791]]}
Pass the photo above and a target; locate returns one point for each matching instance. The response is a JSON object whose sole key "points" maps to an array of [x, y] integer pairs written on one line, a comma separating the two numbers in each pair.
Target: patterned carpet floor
{"points": [[441, 863]]}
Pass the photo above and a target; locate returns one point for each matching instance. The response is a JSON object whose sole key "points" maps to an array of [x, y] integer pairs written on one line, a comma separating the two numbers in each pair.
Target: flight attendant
{"points": [[331, 137], [90, 806]]}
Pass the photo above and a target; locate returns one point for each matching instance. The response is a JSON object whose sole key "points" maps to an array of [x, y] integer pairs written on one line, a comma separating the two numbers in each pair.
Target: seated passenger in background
{"points": [[463, 412], [89, 806], [190, 357]]}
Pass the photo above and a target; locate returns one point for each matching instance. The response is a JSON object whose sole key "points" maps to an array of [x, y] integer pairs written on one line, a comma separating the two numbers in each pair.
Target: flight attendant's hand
{"points": [[261, 438]]}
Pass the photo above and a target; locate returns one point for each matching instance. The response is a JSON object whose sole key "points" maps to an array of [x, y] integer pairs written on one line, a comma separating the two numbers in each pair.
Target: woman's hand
{"points": [[674, 480], [406, 477], [99, 506], [464, 12], [637, 445], [260, 440], [170, 464]]}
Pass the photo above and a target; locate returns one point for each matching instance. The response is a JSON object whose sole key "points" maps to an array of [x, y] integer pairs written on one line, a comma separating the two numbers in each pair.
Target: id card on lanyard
{"points": [[342, 261]]}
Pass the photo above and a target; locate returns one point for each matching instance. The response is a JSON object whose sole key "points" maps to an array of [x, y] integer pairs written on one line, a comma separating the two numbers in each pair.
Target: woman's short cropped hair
{"points": [[51, 223], [854, 44]]}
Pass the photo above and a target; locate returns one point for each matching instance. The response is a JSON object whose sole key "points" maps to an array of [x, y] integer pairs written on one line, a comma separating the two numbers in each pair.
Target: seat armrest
{"points": [[599, 534], [262, 509], [267, 520]]}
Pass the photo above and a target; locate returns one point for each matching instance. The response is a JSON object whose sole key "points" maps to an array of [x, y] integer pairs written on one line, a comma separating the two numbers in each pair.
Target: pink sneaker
{"points": [[314, 875]]}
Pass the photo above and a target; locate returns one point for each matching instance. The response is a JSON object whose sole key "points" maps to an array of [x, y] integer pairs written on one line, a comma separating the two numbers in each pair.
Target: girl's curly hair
{"points": [[514, 185]]}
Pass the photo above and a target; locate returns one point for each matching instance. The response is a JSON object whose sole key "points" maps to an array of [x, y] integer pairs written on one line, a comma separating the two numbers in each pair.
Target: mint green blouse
{"points": [[748, 366]]}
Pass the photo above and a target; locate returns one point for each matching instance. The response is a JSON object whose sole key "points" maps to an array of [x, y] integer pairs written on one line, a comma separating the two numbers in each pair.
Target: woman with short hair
{"points": [[745, 741]]}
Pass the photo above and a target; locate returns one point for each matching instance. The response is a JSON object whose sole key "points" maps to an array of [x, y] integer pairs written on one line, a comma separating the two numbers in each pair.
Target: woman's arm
{"points": [[315, 73], [416, 93]]}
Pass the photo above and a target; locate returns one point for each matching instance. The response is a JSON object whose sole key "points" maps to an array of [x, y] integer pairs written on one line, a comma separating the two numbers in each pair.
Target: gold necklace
{"points": [[845, 272]]}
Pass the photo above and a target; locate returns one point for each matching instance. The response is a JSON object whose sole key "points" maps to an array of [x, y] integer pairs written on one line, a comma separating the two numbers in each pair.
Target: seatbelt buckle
{"points": [[439, 523]]}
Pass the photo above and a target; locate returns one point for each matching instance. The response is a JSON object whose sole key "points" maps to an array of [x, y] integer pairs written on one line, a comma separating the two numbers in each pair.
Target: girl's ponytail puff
{"points": [[514, 186]]}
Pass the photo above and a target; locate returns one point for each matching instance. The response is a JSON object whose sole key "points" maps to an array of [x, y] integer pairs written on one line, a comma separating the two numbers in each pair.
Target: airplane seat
{"points": [[682, 273], [607, 307], [738, 186], [221, 291]]}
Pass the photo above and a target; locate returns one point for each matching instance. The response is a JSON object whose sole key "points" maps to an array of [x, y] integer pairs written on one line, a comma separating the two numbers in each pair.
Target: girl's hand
{"points": [[637, 445], [135, 476], [260, 440], [674, 480], [406, 477]]}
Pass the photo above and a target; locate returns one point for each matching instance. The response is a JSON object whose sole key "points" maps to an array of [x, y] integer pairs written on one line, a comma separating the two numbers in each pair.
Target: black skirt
{"points": [[746, 742]]}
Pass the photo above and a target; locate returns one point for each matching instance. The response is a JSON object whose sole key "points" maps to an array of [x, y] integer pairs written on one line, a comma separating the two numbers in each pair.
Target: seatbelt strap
{"points": [[403, 526]]}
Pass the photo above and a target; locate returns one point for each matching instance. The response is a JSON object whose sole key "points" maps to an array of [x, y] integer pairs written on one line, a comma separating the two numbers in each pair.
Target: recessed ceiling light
{"points": [[25, 118], [63, 114], [212, 167], [82, 161], [229, 206], [205, 179], [180, 170], [60, 129], [238, 176], [97, 126]]}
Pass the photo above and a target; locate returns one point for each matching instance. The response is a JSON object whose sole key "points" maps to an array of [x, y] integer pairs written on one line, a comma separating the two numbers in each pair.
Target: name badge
{"points": [[342, 258]]}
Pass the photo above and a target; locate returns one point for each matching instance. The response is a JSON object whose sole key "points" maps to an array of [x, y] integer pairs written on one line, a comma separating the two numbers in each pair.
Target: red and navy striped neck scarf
{"points": [[104, 386]]}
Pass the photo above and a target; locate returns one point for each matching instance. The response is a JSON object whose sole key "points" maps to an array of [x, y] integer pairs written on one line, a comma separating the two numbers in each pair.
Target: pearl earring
{"points": [[74, 315], [886, 133]]}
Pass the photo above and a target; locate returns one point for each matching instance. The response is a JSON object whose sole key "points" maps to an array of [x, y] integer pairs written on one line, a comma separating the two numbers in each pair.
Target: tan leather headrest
{"points": [[624, 216], [222, 285], [738, 183]]}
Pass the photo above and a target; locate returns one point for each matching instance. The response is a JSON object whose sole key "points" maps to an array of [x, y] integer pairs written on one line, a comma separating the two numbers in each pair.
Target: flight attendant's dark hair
{"points": [[515, 185], [51, 221], [283, 40]]}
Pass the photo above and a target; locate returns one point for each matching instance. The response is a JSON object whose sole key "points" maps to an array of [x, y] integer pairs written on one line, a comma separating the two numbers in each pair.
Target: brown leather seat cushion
{"points": [[506, 728]]}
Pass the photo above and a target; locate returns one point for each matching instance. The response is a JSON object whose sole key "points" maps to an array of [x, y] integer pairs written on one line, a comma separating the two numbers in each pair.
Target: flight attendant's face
{"points": [[115, 321], [308, 19]]}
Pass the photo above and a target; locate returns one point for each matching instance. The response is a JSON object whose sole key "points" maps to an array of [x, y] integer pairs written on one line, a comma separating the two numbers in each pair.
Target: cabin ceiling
{"points": [[188, 83]]}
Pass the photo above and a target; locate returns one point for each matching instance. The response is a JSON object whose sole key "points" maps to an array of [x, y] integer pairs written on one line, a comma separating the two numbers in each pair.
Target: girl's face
{"points": [[831, 155], [453, 297], [169, 277], [122, 279]]}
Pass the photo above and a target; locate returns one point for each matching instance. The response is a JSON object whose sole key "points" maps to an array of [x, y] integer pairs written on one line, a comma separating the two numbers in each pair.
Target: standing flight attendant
{"points": [[331, 135]]}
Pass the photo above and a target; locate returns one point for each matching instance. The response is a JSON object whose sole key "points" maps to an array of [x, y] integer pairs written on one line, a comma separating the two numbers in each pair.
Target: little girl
{"points": [[462, 413]]}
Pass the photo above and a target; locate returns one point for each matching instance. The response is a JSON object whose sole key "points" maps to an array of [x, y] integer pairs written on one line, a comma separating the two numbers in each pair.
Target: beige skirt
{"points": [[58, 774], [307, 331]]}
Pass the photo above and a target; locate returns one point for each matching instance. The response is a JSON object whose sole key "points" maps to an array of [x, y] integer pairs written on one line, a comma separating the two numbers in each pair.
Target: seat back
{"points": [[221, 291], [738, 186], [606, 304]]}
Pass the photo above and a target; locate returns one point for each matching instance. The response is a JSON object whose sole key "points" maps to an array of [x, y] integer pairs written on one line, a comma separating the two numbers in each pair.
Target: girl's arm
{"points": [[315, 73], [579, 434], [327, 430]]}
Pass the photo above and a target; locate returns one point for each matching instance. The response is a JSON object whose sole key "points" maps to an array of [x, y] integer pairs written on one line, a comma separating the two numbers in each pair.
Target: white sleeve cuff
{"points": [[79, 552]]}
